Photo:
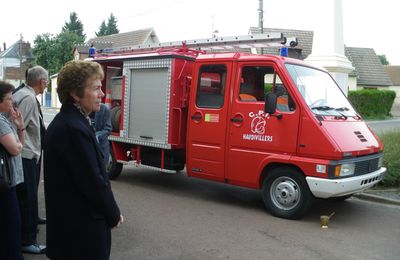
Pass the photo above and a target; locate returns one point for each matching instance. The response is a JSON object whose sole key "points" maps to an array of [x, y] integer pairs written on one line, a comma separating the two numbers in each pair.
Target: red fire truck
{"points": [[259, 121]]}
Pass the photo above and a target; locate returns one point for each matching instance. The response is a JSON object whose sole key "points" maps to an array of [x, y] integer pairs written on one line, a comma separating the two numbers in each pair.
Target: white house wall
{"points": [[396, 105], [352, 83], [55, 102]]}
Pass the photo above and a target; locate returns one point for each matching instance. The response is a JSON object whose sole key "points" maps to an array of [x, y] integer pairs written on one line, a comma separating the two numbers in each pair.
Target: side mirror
{"points": [[270, 103]]}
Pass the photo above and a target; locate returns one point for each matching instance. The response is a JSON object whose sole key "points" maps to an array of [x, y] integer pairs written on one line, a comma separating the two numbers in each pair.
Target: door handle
{"points": [[237, 119], [196, 116]]}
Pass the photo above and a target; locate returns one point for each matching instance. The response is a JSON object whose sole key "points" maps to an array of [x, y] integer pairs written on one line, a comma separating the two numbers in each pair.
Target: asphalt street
{"points": [[382, 126], [171, 216]]}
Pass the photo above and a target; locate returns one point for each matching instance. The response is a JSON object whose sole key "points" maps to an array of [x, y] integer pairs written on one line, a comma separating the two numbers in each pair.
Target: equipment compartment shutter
{"points": [[148, 117]]}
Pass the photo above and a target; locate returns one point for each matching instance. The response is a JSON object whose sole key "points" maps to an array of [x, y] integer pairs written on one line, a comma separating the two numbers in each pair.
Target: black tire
{"points": [[113, 167], [286, 194], [115, 117]]}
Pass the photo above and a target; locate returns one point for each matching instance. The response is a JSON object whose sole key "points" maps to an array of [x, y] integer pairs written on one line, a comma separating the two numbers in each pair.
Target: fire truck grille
{"points": [[364, 167]]}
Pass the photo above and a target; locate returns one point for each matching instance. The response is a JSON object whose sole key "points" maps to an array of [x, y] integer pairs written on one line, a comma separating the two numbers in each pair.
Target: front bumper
{"points": [[327, 188]]}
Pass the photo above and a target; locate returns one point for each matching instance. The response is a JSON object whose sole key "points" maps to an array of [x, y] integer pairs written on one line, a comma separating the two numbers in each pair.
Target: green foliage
{"points": [[110, 28], [267, 87], [65, 43], [372, 103], [74, 25], [383, 59], [43, 51], [391, 142], [102, 29], [52, 52]]}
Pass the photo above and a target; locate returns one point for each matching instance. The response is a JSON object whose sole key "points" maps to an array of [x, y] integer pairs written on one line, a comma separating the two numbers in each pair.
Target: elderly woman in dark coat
{"points": [[80, 206]]}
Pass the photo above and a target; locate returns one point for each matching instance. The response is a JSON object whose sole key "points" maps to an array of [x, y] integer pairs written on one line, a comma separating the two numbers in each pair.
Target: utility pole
{"points": [[214, 33], [261, 16], [261, 19]]}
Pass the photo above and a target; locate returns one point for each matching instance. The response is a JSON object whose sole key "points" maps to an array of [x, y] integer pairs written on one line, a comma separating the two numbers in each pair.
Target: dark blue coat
{"points": [[80, 206], [102, 124]]}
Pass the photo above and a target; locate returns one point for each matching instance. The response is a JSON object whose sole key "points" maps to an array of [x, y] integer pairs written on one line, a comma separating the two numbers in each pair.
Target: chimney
{"points": [[4, 46]]}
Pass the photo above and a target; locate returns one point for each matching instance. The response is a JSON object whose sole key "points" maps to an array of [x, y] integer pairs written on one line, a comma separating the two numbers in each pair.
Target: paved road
{"points": [[384, 125], [170, 216], [49, 113]]}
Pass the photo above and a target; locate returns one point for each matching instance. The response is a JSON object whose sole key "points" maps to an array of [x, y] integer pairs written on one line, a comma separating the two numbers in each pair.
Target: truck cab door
{"points": [[206, 136], [255, 137]]}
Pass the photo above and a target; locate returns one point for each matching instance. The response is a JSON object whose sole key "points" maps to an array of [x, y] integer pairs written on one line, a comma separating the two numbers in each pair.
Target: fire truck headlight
{"points": [[344, 170], [380, 162]]}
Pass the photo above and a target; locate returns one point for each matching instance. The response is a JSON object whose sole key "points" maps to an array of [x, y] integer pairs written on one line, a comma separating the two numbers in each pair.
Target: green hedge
{"points": [[391, 142], [372, 103]]}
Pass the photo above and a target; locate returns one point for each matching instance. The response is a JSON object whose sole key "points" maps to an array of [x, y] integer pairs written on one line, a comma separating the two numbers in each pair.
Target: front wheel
{"points": [[286, 194], [113, 167]]}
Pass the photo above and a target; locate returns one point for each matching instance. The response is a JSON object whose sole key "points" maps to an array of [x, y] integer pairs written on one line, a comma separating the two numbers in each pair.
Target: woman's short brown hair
{"points": [[5, 88], [73, 77]]}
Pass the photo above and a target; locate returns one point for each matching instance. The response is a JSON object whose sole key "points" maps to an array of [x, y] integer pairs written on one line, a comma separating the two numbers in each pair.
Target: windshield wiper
{"points": [[342, 116], [355, 115], [323, 108], [342, 109]]}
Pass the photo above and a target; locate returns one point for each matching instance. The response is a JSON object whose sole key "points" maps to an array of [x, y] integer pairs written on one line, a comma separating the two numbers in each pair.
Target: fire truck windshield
{"points": [[320, 91]]}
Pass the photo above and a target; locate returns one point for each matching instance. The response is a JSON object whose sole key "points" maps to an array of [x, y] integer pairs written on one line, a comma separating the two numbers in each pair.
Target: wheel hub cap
{"points": [[285, 193]]}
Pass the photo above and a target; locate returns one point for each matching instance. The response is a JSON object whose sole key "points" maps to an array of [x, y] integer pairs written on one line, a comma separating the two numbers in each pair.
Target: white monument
{"points": [[328, 45]]}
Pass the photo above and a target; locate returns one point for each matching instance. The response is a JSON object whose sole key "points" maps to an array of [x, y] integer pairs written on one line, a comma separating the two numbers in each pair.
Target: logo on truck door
{"points": [[257, 127]]}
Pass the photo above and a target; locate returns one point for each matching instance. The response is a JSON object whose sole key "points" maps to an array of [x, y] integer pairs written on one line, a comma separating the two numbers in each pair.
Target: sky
{"points": [[366, 23]]}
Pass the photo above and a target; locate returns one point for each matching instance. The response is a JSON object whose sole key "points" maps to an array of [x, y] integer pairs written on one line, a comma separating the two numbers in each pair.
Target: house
{"points": [[394, 74], [368, 71], [14, 61], [120, 40]]}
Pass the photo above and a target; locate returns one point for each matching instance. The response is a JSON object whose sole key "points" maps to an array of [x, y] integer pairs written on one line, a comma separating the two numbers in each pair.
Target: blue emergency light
{"points": [[284, 51]]}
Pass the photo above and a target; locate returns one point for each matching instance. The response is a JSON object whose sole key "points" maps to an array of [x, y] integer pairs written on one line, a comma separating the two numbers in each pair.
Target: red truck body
{"points": [[259, 121]]}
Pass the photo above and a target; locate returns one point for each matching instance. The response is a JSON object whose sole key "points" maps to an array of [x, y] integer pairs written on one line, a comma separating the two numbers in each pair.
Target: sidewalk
{"points": [[388, 196]]}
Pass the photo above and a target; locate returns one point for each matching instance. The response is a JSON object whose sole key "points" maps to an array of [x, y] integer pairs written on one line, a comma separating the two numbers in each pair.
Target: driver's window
{"points": [[251, 87], [284, 101]]}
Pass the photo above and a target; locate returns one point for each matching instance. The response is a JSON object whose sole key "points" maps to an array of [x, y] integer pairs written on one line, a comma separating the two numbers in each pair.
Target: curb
{"points": [[376, 198]]}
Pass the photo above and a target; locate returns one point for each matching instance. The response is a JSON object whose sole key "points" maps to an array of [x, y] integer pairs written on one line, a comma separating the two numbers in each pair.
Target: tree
{"points": [[64, 44], [74, 25], [383, 59], [52, 52], [110, 28], [43, 51], [102, 29]]}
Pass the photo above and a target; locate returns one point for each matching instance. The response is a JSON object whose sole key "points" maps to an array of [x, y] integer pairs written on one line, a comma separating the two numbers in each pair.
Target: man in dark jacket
{"points": [[101, 122]]}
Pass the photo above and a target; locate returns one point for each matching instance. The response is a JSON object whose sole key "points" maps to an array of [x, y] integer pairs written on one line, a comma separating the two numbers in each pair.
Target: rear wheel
{"points": [[113, 167], [286, 194]]}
